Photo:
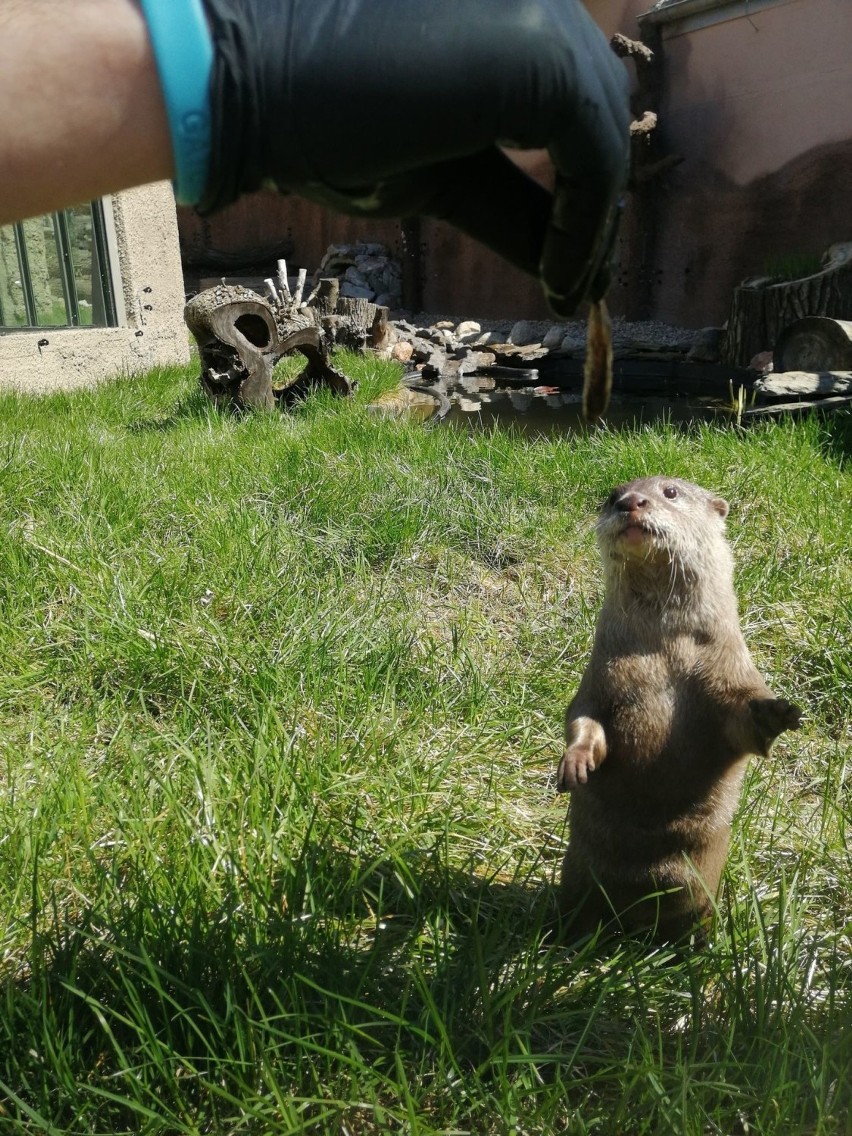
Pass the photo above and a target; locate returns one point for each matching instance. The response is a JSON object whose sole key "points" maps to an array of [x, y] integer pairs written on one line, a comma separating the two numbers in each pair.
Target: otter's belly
{"points": [[665, 720]]}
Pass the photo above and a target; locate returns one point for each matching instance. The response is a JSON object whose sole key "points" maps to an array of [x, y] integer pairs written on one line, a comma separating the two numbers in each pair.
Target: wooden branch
{"points": [[300, 287], [282, 279]]}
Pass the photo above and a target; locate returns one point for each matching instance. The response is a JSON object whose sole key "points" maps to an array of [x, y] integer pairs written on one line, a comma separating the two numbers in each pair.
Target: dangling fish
{"points": [[597, 368]]}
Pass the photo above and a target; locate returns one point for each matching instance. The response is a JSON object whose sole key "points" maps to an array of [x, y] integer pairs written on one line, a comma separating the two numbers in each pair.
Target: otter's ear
{"points": [[720, 505]]}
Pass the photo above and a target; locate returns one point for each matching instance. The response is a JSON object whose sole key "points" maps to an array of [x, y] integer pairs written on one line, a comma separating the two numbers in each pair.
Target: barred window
{"points": [[54, 271]]}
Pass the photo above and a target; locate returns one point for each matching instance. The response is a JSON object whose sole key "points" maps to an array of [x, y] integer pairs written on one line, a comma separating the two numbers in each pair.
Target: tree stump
{"points": [[240, 339], [762, 308]]}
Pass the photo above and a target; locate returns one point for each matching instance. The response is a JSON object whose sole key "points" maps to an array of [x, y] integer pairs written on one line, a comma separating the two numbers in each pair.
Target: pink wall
{"points": [[760, 107]]}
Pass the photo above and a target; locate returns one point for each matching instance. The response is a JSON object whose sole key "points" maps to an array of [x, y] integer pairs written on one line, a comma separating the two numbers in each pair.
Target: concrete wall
{"points": [[149, 298]]}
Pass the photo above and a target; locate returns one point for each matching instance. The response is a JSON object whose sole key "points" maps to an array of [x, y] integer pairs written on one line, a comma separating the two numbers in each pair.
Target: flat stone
{"points": [[422, 349], [473, 360], [820, 383], [509, 352]]}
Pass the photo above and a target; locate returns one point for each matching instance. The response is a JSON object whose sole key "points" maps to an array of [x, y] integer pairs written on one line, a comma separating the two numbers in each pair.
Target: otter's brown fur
{"points": [[667, 714]]}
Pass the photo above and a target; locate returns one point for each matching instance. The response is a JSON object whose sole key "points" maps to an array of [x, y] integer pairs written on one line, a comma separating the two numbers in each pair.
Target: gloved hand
{"points": [[397, 108]]}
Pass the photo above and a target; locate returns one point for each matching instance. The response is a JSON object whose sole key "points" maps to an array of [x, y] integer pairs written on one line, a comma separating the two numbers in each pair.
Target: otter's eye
{"points": [[670, 492]]}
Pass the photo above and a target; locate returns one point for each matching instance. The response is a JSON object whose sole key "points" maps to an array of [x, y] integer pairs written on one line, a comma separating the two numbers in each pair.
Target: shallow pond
{"points": [[537, 407]]}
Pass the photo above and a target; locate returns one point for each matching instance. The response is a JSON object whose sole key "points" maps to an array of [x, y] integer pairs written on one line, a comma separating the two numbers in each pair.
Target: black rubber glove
{"points": [[397, 108]]}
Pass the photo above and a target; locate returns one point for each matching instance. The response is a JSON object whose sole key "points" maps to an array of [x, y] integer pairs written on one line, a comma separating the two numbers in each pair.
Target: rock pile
{"points": [[452, 347], [367, 271]]}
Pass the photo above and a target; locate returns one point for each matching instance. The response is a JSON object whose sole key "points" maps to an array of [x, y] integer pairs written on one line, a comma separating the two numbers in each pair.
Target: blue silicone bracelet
{"points": [[183, 52]]}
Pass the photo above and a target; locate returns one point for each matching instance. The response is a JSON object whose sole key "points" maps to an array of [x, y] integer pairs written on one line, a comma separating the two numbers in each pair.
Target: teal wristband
{"points": [[183, 52]]}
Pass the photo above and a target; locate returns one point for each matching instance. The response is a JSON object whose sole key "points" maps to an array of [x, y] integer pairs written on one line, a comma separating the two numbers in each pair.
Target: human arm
{"points": [[83, 110], [375, 107]]}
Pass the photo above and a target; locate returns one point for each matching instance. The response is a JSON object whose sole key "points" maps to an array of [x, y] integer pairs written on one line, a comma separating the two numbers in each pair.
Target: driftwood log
{"points": [[241, 336], [764, 307]]}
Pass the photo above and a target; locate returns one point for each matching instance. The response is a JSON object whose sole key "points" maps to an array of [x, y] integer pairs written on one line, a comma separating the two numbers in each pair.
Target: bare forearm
{"points": [[82, 110]]}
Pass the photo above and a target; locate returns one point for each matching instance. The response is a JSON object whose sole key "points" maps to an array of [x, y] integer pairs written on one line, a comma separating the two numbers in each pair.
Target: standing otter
{"points": [[667, 713]]}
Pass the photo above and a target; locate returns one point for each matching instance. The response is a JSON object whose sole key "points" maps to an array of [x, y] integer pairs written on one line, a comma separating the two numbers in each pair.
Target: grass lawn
{"points": [[280, 712]]}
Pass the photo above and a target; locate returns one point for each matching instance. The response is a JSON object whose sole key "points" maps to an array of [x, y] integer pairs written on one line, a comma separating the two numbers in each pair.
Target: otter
{"points": [[667, 714]]}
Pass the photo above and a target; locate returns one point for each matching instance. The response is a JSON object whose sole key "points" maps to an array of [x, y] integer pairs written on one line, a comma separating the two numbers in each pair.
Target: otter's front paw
{"points": [[577, 763], [772, 716]]}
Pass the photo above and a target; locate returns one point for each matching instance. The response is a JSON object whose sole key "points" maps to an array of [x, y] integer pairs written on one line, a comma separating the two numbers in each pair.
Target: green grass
{"points": [[280, 709]]}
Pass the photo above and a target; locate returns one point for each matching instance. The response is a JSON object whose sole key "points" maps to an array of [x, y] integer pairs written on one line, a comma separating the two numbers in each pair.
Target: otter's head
{"points": [[665, 523]]}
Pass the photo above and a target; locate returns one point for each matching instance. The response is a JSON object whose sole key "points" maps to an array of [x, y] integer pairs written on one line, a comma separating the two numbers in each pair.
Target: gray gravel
{"points": [[647, 335]]}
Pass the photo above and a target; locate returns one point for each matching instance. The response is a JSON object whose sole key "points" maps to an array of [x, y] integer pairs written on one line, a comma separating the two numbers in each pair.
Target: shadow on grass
{"points": [[406, 965], [193, 407], [837, 436], [404, 976]]}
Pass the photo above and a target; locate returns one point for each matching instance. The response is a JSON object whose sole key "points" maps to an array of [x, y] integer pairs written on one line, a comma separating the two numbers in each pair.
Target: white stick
{"points": [[270, 284], [300, 286], [282, 279], [312, 296]]}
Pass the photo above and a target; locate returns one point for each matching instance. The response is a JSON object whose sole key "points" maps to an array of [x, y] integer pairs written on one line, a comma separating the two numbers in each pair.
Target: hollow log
{"points": [[763, 308], [240, 339]]}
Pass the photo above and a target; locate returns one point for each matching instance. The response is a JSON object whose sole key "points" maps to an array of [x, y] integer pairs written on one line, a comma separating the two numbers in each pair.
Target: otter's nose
{"points": [[630, 502]]}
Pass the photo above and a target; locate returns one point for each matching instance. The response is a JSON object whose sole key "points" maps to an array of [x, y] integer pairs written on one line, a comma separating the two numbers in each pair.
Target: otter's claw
{"points": [[772, 716], [574, 768]]}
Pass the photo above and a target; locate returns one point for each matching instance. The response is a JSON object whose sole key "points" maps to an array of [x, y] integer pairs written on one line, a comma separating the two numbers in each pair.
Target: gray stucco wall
{"points": [[149, 297]]}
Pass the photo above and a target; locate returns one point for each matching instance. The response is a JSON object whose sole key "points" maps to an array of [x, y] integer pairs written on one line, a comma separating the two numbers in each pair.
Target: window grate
{"points": [[55, 272]]}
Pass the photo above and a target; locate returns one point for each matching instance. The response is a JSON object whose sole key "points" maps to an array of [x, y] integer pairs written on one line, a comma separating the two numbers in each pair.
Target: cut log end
{"points": [[815, 343]]}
